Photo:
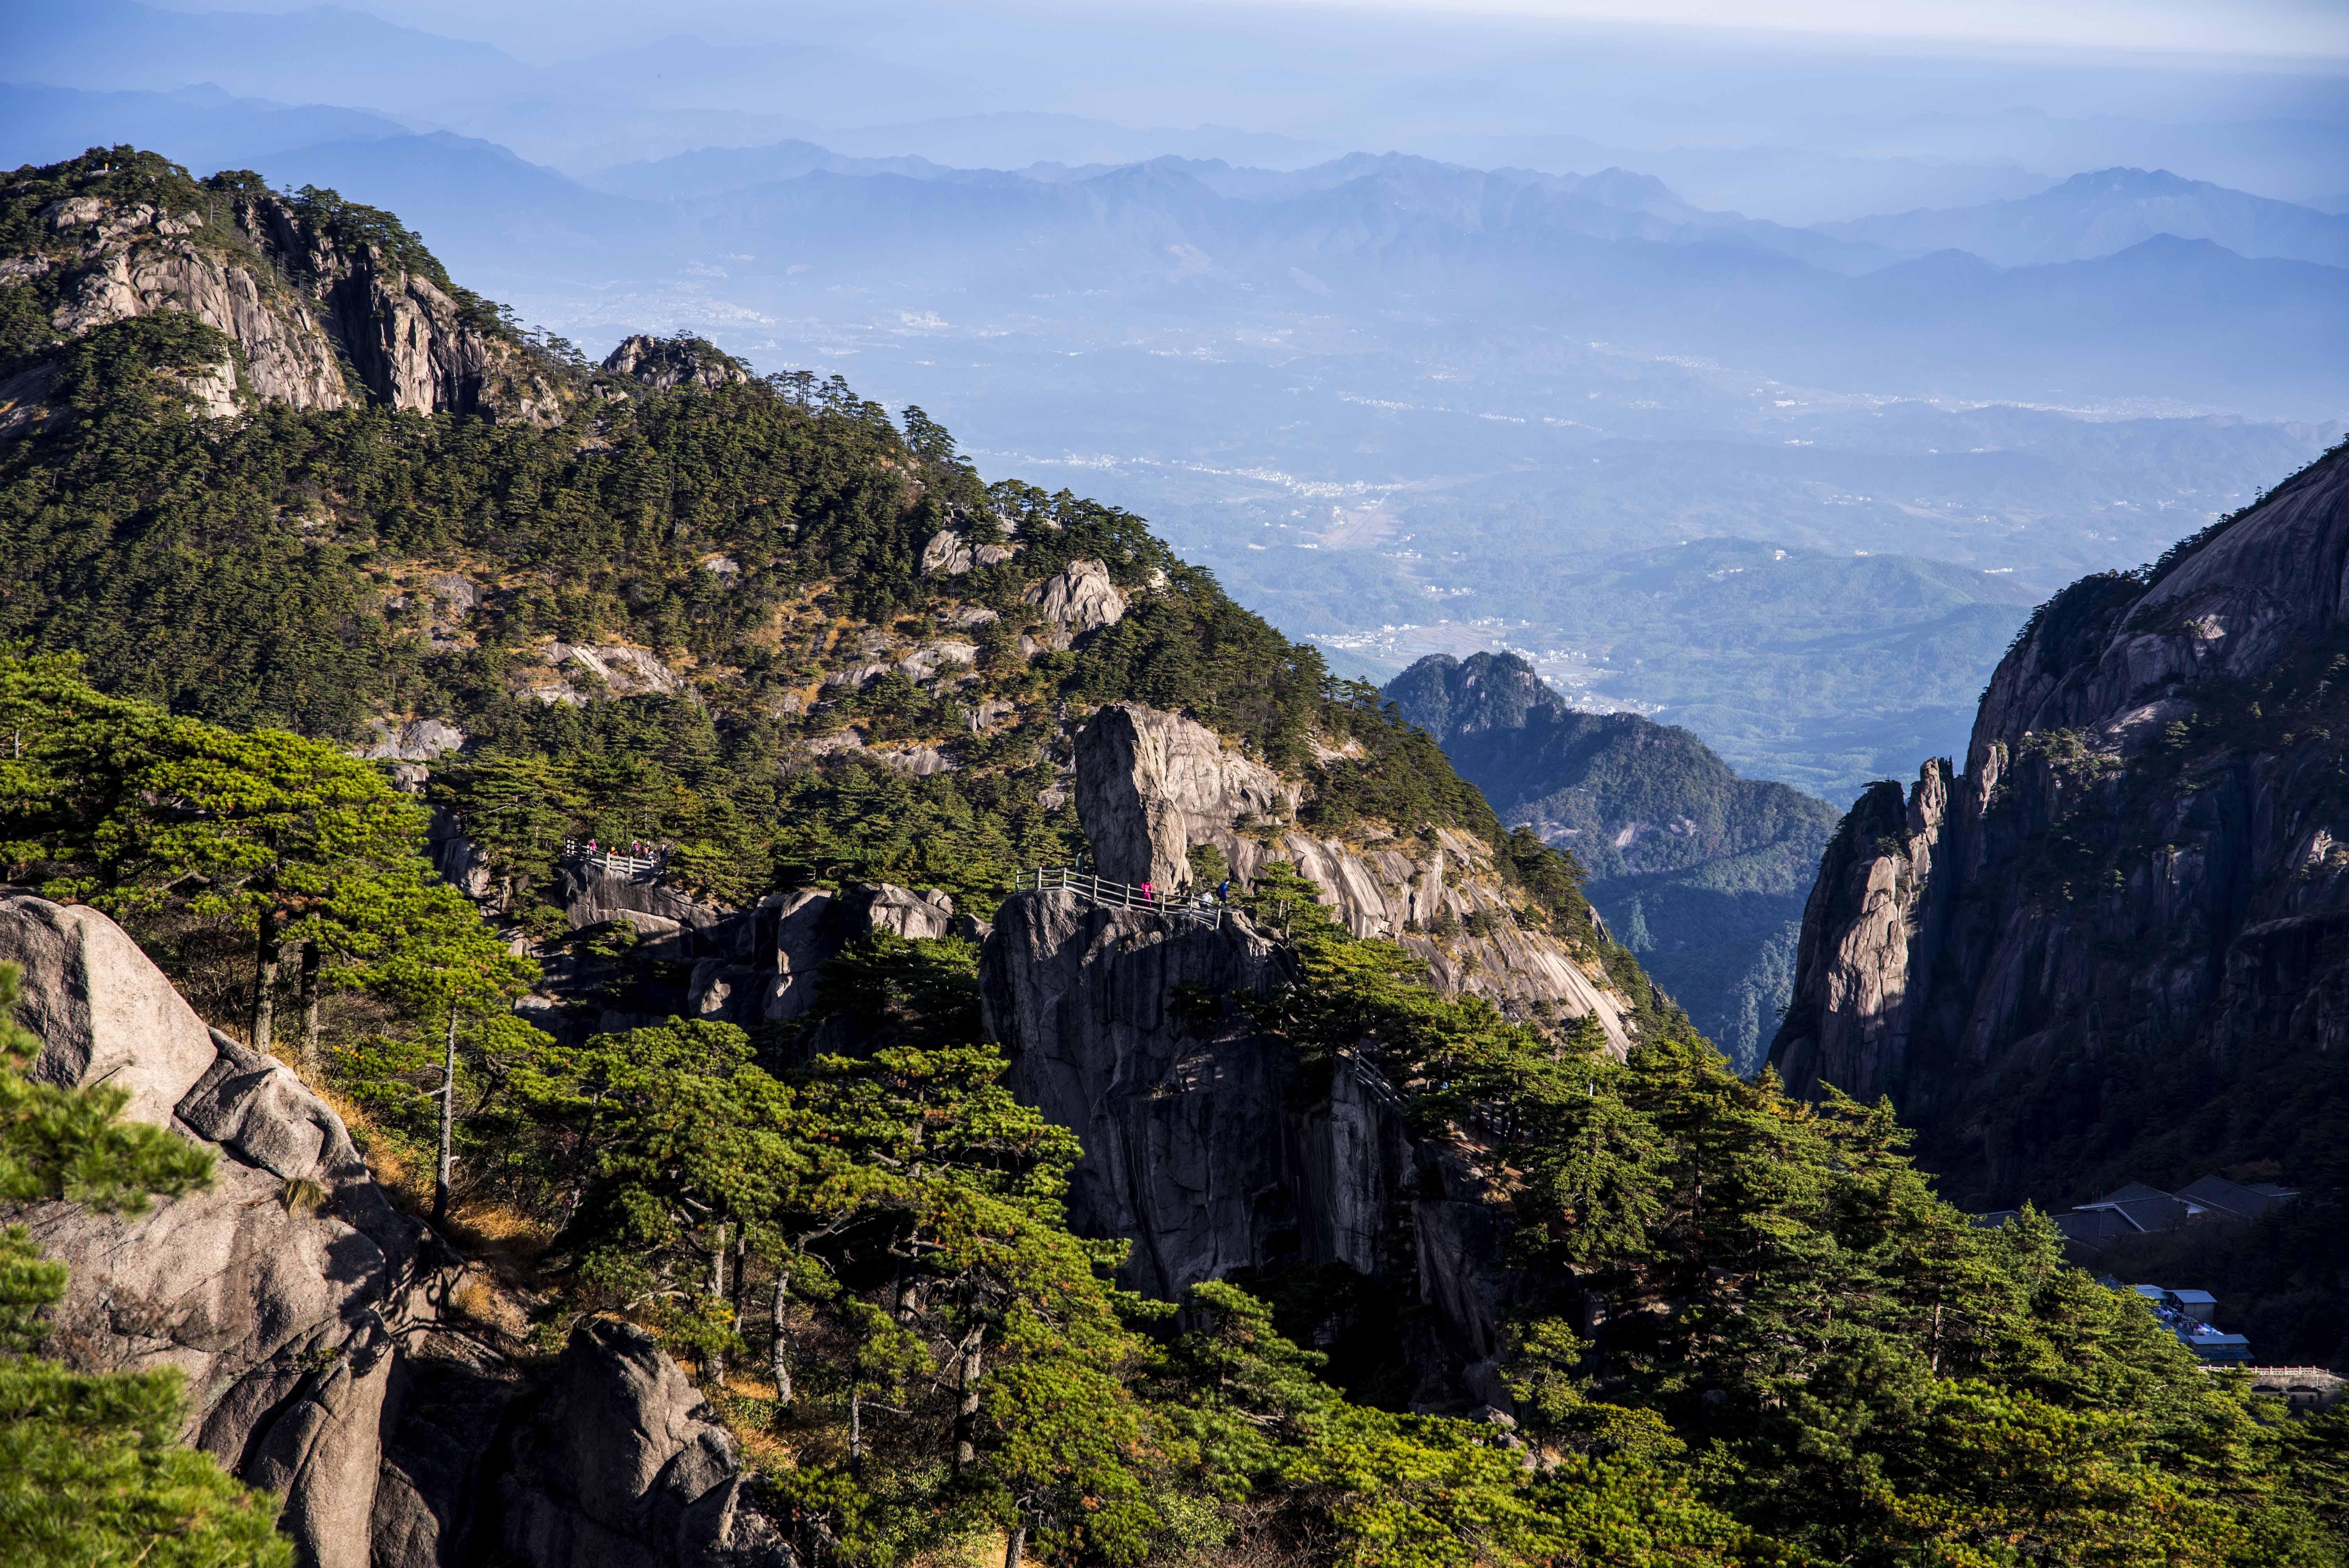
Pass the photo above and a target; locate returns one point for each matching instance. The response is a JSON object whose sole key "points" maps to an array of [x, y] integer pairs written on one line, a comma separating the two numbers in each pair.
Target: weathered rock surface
{"points": [[1080, 599], [1150, 786], [417, 740], [279, 1302], [1211, 1146], [665, 362], [103, 1014], [620, 1463], [952, 553], [2108, 896], [319, 319], [310, 1317]]}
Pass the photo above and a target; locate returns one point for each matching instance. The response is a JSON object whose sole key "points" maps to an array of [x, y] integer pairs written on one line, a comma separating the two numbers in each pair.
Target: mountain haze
{"points": [[2092, 215]]}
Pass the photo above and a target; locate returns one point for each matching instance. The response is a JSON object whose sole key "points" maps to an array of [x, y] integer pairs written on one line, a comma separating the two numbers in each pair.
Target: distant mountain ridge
{"points": [[1610, 255], [2104, 212], [1700, 872]]}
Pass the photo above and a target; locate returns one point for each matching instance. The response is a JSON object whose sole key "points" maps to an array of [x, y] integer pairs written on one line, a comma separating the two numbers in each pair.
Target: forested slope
{"points": [[801, 649]]}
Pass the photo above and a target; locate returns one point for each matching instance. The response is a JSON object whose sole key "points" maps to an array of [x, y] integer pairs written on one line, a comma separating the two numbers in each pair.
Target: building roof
{"points": [[2134, 1192], [2094, 1224], [2233, 1198], [2191, 1299], [2152, 1214]]}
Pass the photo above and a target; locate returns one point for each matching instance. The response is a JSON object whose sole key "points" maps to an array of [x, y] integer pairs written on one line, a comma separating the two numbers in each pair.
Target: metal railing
{"points": [[606, 860], [1122, 895], [1382, 1087]]}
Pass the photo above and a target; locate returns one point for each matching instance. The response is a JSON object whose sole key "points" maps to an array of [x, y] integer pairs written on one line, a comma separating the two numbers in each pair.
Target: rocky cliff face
{"points": [[327, 1355], [1700, 873], [327, 303], [2116, 938], [1214, 1148], [1151, 785]]}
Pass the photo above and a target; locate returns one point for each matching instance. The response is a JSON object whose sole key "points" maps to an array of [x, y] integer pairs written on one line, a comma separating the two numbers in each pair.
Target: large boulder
{"points": [[621, 1463], [1151, 784], [103, 1014], [279, 1293], [1080, 599]]}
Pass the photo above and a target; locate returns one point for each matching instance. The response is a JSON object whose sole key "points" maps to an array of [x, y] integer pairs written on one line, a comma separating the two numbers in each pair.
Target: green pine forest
{"points": [[1748, 1330]]}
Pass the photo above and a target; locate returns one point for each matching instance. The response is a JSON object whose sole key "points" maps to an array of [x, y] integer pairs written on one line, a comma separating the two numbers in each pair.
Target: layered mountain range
{"points": [[1073, 1079], [865, 672]]}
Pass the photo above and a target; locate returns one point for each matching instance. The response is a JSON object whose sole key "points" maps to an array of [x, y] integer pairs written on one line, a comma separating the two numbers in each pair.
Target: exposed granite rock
{"points": [[879, 907], [1151, 785], [417, 740], [663, 362], [1211, 1146], [620, 1463], [1080, 599], [289, 354], [929, 659], [951, 553], [319, 318], [310, 1317], [2099, 901], [622, 670], [920, 761], [282, 1314], [103, 1012]]}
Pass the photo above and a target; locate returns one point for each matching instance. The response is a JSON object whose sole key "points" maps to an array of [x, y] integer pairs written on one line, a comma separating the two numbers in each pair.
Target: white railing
{"points": [[1121, 895], [1381, 1088], [606, 860]]}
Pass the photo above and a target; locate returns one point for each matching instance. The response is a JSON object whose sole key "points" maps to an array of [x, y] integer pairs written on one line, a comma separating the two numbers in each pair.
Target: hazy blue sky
{"points": [[546, 30]]}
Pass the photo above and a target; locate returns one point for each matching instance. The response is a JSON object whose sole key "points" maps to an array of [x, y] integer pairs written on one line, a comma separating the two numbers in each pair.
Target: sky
{"points": [[544, 31]]}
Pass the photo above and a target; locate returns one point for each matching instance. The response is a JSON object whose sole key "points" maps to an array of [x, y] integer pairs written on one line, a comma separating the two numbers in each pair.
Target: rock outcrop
{"points": [[746, 966], [283, 1291], [313, 1322], [1080, 599], [663, 362], [619, 1462], [1151, 785], [1213, 1147], [952, 553], [416, 740], [2134, 886], [324, 304]]}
